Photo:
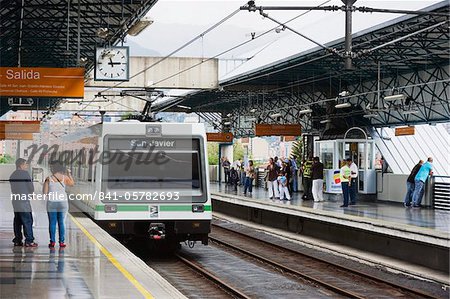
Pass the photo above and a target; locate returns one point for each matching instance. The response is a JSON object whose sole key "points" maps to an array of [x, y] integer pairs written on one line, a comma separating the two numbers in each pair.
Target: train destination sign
{"points": [[403, 131], [42, 82], [278, 130]]}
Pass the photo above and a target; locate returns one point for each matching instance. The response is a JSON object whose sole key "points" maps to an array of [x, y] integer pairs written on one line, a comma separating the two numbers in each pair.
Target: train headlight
{"points": [[198, 208], [110, 208]]}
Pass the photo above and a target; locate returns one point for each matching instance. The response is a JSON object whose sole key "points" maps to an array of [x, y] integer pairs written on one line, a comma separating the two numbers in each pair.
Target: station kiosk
{"points": [[356, 146]]}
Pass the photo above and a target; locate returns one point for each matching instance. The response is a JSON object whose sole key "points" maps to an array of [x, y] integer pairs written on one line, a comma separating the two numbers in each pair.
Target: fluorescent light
{"points": [[139, 26], [325, 121], [370, 115], [305, 111], [251, 119], [253, 110], [229, 114], [275, 115], [394, 97], [410, 112], [344, 93], [184, 107], [343, 105], [227, 123]]}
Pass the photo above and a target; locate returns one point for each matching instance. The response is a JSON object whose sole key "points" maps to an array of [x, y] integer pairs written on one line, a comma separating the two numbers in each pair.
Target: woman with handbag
{"points": [[57, 201], [249, 176]]}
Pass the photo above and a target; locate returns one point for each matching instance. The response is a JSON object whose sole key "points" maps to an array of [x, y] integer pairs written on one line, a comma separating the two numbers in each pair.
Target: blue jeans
{"points": [[295, 182], [345, 192], [248, 185], [409, 193], [419, 189], [25, 220], [56, 212], [243, 177]]}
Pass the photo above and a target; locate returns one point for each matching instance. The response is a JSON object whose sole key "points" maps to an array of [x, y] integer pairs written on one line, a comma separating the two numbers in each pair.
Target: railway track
{"points": [[337, 278]]}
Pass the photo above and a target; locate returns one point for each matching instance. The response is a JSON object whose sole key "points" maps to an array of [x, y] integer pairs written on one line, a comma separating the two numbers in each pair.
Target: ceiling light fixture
{"points": [[306, 111], [139, 26], [410, 112], [394, 97], [372, 115], [275, 115], [184, 107], [325, 121], [343, 105]]}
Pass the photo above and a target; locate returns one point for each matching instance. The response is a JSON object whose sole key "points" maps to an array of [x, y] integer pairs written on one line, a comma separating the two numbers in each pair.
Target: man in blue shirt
{"points": [[419, 184]]}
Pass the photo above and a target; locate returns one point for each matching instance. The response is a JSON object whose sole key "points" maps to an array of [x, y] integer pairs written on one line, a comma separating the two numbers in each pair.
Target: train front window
{"points": [[173, 171]]}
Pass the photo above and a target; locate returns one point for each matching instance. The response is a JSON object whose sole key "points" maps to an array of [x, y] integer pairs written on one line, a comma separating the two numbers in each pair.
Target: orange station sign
{"points": [[42, 82], [403, 131], [219, 137], [278, 130], [19, 130]]}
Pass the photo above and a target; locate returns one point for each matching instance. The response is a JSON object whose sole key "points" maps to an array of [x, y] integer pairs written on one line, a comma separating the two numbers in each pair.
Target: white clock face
{"points": [[112, 64]]}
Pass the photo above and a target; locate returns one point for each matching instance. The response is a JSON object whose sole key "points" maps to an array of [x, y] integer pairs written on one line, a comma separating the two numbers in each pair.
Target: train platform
{"points": [[93, 265], [372, 226]]}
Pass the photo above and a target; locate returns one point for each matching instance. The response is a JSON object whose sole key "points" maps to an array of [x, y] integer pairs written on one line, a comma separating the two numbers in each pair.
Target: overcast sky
{"points": [[176, 22]]}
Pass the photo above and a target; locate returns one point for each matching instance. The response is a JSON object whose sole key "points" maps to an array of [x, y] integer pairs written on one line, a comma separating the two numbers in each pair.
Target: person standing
{"points": [[249, 176], [57, 202], [22, 191], [307, 177], [419, 182], [317, 179], [410, 184], [354, 181], [294, 170], [226, 168], [234, 178], [272, 182], [283, 185], [345, 182]]}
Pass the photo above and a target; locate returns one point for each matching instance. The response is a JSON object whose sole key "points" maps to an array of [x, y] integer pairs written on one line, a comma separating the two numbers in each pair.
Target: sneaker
{"points": [[18, 243], [51, 245], [417, 206], [31, 244], [62, 244], [406, 205], [343, 206]]}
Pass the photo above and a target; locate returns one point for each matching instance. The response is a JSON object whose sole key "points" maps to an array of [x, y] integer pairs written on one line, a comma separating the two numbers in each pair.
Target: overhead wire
{"points": [[228, 50], [201, 35]]}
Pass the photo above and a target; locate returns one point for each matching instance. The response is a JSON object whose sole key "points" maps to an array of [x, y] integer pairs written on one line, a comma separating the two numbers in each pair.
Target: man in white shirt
{"points": [[354, 182]]}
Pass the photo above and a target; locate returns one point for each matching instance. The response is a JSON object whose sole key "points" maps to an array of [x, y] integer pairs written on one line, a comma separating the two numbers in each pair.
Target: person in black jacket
{"points": [[410, 184], [317, 179], [22, 190]]}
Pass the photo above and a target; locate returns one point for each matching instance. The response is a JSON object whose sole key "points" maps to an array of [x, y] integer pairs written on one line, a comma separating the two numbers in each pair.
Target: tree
{"points": [[297, 149], [6, 159], [213, 153], [238, 151]]}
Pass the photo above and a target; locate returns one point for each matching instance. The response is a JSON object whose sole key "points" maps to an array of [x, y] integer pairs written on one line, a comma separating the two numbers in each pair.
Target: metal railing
{"points": [[441, 192]]}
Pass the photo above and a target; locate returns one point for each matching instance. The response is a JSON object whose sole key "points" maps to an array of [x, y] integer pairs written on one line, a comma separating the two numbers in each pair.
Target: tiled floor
{"points": [[78, 271], [392, 212]]}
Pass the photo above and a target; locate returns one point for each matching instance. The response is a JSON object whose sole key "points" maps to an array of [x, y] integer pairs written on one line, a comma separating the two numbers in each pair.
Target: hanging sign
{"points": [[219, 137], [278, 130], [42, 82], [19, 130], [403, 131]]}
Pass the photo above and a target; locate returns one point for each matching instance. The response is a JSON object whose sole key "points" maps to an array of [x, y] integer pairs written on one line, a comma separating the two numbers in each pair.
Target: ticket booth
{"points": [[361, 149]]}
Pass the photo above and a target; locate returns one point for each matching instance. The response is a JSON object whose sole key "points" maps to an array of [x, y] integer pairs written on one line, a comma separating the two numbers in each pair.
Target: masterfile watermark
{"points": [[93, 156]]}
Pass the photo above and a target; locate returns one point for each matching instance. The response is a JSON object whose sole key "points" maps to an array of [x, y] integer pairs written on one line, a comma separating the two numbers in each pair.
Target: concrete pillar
{"points": [[225, 150]]}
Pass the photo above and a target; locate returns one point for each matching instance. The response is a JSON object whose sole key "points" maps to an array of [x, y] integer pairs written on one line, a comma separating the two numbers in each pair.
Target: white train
{"points": [[138, 178]]}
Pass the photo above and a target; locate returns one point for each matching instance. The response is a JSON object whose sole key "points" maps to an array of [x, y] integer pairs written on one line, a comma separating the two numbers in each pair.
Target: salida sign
{"points": [[42, 82]]}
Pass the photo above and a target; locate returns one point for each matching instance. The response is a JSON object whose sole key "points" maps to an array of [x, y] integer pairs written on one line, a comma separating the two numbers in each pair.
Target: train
{"points": [[141, 179]]}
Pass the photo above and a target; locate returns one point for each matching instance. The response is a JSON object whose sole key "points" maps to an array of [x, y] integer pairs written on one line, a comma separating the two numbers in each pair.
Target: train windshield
{"points": [[169, 171]]}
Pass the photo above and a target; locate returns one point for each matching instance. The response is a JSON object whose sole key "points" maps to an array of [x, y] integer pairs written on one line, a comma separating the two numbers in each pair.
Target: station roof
{"points": [[43, 33], [423, 43]]}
